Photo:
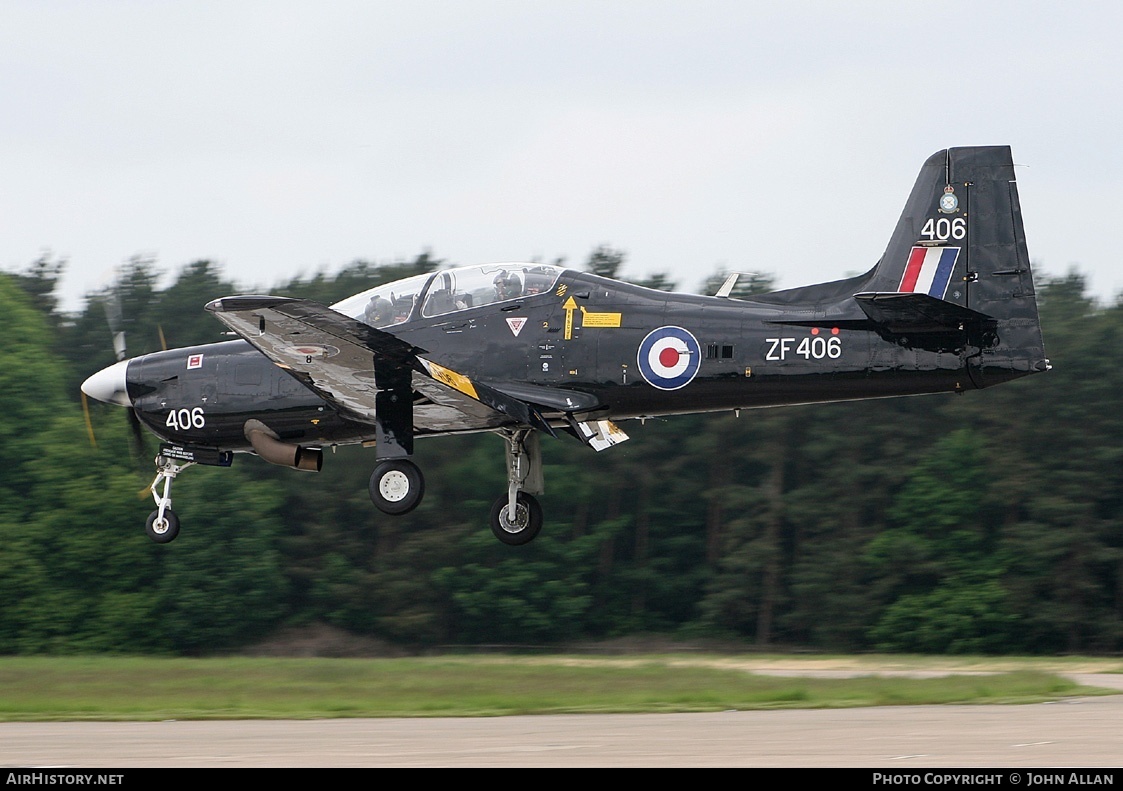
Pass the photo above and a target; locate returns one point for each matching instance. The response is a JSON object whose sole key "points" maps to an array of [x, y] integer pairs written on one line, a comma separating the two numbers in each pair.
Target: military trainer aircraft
{"points": [[528, 349]]}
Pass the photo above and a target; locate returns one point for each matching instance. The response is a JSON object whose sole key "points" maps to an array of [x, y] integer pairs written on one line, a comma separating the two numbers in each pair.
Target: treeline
{"points": [[989, 522]]}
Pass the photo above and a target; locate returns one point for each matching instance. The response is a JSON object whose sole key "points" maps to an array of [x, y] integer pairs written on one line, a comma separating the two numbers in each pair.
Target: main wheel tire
{"points": [[162, 531], [527, 522], [396, 486]]}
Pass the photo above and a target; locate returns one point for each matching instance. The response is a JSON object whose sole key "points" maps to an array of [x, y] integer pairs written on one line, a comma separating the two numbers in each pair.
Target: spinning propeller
{"points": [[109, 384]]}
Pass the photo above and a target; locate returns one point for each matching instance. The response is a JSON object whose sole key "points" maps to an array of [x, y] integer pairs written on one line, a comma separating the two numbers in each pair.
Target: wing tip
{"points": [[247, 302]]}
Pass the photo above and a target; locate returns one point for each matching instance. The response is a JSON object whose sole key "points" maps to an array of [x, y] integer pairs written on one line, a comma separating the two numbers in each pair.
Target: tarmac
{"points": [[1075, 732]]}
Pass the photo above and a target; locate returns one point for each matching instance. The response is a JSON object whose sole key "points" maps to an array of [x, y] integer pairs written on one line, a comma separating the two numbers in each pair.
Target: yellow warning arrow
{"points": [[569, 307]]}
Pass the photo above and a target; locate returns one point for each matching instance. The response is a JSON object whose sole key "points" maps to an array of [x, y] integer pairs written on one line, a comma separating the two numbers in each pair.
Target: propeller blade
{"points": [[119, 345], [89, 424], [114, 318], [137, 432]]}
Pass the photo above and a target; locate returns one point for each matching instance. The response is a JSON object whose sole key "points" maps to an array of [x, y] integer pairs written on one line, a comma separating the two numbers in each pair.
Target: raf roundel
{"points": [[669, 358]]}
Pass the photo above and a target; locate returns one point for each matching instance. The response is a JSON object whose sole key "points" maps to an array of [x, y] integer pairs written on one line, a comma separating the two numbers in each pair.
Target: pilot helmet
{"points": [[507, 285]]}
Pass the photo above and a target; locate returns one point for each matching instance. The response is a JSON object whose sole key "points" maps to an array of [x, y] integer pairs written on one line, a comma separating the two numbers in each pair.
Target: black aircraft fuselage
{"points": [[750, 355], [525, 349]]}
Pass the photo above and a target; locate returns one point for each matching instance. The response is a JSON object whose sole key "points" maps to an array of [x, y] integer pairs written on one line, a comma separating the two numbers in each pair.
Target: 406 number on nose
{"points": [[184, 419]]}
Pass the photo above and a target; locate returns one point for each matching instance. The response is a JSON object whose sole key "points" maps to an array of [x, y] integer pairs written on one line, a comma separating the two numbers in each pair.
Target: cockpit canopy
{"points": [[448, 291]]}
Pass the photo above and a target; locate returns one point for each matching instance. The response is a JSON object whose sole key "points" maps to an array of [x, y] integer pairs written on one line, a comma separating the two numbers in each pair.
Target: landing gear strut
{"points": [[396, 485], [163, 525], [516, 518]]}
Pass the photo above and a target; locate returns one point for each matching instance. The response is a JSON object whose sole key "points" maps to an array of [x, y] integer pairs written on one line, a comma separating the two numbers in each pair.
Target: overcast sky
{"points": [[279, 137]]}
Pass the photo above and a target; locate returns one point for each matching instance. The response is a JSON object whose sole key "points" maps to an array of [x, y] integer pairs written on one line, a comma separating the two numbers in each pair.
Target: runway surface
{"points": [[1078, 732]]}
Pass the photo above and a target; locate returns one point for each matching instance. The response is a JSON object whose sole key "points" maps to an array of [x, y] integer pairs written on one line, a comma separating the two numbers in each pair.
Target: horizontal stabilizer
{"points": [[921, 321], [916, 312]]}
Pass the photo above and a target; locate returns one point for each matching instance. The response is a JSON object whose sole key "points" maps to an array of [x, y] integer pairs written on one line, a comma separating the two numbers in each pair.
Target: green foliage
{"points": [[39, 281], [31, 392], [660, 281], [355, 277], [221, 582], [938, 560], [958, 616], [605, 261], [62, 503], [747, 284], [980, 524]]}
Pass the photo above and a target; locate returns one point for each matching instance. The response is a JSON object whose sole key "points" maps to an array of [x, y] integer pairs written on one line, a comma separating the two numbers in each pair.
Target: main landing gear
{"points": [[397, 486], [523, 527], [163, 525], [517, 517]]}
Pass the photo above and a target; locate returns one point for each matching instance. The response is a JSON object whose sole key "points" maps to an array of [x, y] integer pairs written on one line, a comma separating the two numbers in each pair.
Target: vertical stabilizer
{"points": [[960, 240]]}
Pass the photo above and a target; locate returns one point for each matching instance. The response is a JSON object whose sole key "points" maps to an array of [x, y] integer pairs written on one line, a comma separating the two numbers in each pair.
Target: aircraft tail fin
{"points": [[960, 240]]}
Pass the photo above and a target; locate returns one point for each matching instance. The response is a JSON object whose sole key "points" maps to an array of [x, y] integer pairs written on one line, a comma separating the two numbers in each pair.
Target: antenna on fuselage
{"points": [[751, 282], [727, 287]]}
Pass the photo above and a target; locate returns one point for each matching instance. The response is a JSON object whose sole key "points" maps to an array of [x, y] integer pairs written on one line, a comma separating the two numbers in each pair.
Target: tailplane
{"points": [[957, 263]]}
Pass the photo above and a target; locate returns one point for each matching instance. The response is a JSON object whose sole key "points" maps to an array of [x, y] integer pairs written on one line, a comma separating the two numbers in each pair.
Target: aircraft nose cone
{"points": [[108, 385]]}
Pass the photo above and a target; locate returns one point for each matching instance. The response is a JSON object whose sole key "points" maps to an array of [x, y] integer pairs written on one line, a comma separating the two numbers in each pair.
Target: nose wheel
{"points": [[162, 528], [396, 486], [163, 525]]}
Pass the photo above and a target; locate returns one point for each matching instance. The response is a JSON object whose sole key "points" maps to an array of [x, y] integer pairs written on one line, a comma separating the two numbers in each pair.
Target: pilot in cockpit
{"points": [[507, 286], [378, 312]]}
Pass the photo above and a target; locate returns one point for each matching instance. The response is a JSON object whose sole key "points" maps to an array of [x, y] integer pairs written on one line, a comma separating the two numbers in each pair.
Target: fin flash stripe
{"points": [[929, 271]]}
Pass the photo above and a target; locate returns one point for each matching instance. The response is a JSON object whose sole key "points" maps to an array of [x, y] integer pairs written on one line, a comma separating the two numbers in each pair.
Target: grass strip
{"points": [[131, 688]]}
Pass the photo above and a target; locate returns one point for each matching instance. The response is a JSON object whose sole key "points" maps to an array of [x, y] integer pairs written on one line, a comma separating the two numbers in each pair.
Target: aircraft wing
{"points": [[341, 359]]}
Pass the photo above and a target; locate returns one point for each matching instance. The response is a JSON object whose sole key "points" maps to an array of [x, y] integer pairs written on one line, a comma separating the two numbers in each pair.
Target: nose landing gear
{"points": [[163, 524]]}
